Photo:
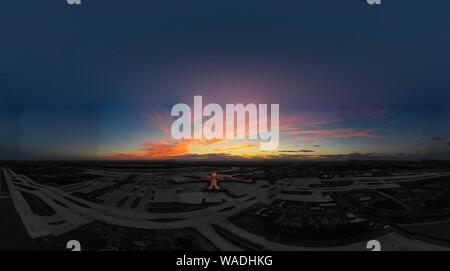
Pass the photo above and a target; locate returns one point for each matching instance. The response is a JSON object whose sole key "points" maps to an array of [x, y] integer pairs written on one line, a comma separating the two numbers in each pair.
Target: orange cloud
{"points": [[157, 150], [234, 148], [214, 141], [165, 149]]}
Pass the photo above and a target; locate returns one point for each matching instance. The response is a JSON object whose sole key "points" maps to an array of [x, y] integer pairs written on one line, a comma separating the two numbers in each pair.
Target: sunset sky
{"points": [[98, 81]]}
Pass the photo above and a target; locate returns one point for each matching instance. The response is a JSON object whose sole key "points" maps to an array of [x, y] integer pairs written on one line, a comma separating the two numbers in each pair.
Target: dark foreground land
{"points": [[13, 234], [291, 203], [99, 236]]}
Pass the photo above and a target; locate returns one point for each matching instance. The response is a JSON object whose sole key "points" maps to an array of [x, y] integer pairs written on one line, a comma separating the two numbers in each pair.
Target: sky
{"points": [[98, 81]]}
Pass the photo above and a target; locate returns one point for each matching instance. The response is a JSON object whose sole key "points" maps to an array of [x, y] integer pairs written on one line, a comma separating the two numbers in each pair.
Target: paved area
{"points": [[71, 212]]}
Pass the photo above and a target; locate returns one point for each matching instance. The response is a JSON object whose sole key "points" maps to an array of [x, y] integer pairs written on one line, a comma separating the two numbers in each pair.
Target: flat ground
{"points": [[13, 235]]}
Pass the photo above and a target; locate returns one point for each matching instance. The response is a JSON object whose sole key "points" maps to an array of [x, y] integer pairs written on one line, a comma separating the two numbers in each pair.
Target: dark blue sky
{"points": [[78, 81]]}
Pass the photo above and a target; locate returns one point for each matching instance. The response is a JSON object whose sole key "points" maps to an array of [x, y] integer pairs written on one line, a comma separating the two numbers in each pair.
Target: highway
{"points": [[76, 212]]}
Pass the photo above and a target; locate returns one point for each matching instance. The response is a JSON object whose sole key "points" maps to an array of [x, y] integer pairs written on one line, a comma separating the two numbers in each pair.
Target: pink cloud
{"points": [[329, 133], [305, 118]]}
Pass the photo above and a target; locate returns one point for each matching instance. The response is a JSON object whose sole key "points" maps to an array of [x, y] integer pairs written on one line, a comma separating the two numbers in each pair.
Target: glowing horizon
{"points": [[304, 135]]}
